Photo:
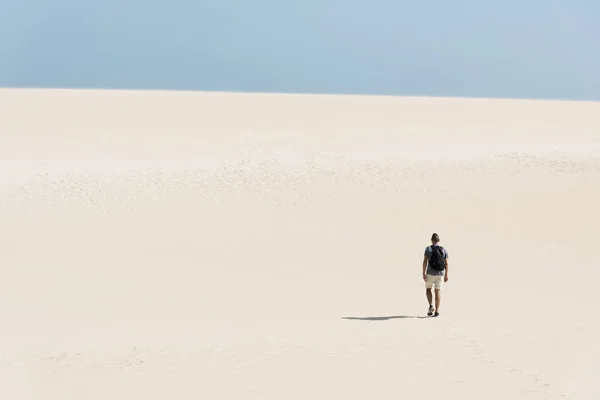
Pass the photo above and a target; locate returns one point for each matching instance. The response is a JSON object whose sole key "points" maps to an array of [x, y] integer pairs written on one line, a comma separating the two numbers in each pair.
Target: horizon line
{"points": [[276, 93]]}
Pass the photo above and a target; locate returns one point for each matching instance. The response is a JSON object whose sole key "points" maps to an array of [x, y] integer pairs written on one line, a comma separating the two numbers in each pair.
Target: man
{"points": [[435, 272]]}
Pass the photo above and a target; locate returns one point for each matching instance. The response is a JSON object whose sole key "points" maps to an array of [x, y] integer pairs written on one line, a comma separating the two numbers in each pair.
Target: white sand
{"points": [[162, 245]]}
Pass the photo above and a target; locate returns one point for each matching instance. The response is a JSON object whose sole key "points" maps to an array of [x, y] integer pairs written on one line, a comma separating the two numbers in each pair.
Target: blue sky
{"points": [[509, 48]]}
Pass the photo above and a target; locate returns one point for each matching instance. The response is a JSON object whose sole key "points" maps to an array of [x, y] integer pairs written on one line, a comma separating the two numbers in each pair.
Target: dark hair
{"points": [[435, 237]]}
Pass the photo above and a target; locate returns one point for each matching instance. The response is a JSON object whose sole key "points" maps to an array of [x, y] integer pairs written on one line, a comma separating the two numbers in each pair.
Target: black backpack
{"points": [[436, 258]]}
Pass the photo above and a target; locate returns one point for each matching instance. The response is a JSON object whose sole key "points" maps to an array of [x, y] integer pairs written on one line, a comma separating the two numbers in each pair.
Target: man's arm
{"points": [[425, 267], [446, 266]]}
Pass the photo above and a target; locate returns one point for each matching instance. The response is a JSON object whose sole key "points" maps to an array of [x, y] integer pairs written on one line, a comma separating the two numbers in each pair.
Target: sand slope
{"points": [[251, 246]]}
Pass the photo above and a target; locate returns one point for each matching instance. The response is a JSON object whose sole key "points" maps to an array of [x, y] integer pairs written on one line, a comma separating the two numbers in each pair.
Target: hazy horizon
{"points": [[535, 50]]}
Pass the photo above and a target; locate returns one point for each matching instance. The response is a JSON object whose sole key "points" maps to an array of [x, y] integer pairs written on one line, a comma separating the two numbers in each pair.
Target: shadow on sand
{"points": [[385, 318]]}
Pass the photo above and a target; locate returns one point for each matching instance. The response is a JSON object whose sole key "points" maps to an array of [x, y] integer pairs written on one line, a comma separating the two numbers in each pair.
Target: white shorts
{"points": [[437, 281]]}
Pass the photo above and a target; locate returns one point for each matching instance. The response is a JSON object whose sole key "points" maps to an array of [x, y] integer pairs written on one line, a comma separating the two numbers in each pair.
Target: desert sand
{"points": [[182, 245]]}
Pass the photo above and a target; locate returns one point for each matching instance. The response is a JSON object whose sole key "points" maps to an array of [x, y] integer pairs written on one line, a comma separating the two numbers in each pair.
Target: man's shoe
{"points": [[437, 314], [430, 312]]}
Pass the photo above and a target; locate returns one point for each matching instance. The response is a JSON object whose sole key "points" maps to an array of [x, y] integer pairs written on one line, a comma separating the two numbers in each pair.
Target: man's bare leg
{"points": [[437, 300], [430, 300]]}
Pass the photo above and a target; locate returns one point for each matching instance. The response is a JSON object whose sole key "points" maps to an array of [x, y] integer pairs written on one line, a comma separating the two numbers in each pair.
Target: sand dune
{"points": [[262, 246]]}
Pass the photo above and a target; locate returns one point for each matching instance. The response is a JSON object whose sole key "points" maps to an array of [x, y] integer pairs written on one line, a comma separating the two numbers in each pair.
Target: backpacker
{"points": [[436, 258]]}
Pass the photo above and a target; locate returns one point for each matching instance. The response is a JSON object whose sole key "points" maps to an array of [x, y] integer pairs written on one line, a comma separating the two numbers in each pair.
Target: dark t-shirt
{"points": [[431, 271]]}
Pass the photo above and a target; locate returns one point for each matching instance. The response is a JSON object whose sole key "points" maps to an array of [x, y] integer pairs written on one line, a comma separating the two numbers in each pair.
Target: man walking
{"points": [[435, 272]]}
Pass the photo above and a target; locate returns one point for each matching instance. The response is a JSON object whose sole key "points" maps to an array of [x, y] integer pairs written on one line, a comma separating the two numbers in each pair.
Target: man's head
{"points": [[435, 238]]}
